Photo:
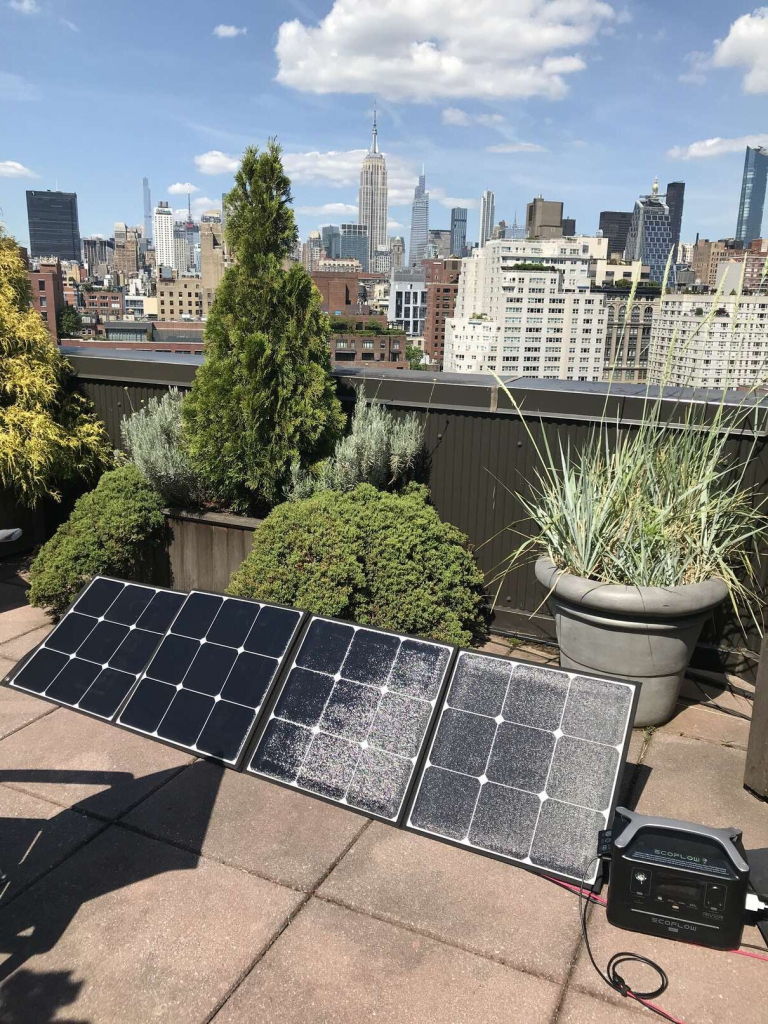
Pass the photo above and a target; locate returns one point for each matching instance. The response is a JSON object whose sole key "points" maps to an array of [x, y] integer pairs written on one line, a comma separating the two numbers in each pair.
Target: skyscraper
{"points": [[355, 244], [419, 221], [126, 259], [749, 224], [544, 218], [649, 238], [614, 225], [372, 196], [487, 215], [397, 252], [163, 232], [147, 210], [458, 230], [675, 199], [53, 225], [331, 241]]}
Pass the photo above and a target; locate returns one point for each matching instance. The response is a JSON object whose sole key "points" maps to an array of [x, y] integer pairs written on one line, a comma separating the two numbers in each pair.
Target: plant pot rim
{"points": [[665, 602]]}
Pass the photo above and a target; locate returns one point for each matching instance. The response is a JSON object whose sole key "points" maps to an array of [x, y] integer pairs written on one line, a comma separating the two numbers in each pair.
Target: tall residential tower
{"points": [[458, 230], [372, 197], [419, 222], [147, 210], [487, 214], [749, 224], [650, 236]]}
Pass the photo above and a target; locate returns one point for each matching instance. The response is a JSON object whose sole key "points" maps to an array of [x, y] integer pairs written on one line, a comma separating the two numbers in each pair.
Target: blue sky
{"points": [[580, 100]]}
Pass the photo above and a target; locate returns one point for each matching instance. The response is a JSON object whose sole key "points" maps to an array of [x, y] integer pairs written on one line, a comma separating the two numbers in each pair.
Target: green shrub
{"points": [[380, 450], [153, 439], [111, 530], [374, 557]]}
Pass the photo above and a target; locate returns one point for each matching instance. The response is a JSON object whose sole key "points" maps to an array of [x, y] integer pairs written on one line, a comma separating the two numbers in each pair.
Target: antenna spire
{"points": [[375, 133]]}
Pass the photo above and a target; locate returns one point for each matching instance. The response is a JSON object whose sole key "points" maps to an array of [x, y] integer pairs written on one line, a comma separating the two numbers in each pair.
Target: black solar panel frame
{"points": [[15, 671], [238, 765], [413, 790], [277, 689]]}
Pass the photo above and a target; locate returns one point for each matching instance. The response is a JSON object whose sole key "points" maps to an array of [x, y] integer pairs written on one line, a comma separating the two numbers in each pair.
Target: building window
{"points": [[41, 286]]}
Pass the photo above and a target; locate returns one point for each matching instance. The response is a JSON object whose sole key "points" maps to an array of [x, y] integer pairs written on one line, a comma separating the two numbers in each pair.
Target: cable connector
{"points": [[754, 905]]}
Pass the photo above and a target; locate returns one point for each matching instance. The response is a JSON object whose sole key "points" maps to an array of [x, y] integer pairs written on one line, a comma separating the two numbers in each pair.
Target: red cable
{"points": [[656, 1007]]}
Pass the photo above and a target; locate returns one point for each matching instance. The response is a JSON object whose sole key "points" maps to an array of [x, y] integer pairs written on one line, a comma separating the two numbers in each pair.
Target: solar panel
{"points": [[210, 675], [524, 763], [351, 718], [100, 647]]}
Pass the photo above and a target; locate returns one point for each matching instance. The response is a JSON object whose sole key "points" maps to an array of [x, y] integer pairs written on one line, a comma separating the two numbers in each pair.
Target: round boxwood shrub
{"points": [[382, 559], [111, 530]]}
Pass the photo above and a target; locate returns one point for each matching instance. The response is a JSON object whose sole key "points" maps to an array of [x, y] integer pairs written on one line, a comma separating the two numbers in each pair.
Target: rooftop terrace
{"points": [[145, 885]]}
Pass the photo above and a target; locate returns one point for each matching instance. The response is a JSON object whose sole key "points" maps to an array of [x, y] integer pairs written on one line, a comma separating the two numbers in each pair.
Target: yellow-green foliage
{"points": [[382, 559], [48, 434]]}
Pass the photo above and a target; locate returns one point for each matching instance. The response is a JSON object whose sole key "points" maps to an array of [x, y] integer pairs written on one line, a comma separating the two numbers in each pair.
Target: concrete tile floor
{"points": [[148, 887]]}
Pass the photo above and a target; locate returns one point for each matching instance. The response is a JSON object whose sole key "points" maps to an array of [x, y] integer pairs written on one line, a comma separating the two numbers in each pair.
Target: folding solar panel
{"points": [[524, 763], [100, 647], [209, 677], [352, 716]]}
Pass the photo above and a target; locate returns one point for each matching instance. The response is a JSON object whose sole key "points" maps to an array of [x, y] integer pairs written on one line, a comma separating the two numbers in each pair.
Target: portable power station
{"points": [[677, 880]]}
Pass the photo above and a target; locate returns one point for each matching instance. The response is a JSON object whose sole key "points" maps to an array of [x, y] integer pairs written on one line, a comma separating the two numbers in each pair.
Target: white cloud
{"points": [[452, 115], [394, 225], [24, 6], [216, 162], [182, 188], [516, 147], [329, 209], [455, 116], [716, 147], [427, 49], [746, 46], [438, 195], [341, 169], [229, 31], [14, 87], [69, 24], [13, 169], [698, 64]]}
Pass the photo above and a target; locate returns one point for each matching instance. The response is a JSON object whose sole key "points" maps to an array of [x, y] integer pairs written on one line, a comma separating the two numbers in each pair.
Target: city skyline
{"points": [[577, 132]]}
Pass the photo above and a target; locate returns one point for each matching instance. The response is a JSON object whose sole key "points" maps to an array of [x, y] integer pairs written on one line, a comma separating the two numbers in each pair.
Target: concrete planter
{"points": [[642, 633]]}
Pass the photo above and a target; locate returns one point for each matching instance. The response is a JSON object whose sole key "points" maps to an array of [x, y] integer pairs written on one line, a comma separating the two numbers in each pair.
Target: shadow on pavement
{"points": [[34, 920]]}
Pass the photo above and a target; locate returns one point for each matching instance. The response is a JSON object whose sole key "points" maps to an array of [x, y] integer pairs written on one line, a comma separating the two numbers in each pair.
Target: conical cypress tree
{"points": [[264, 396]]}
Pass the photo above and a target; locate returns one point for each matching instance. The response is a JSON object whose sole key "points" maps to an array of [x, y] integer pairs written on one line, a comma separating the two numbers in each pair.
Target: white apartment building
{"points": [[705, 341], [512, 317], [408, 300], [165, 255]]}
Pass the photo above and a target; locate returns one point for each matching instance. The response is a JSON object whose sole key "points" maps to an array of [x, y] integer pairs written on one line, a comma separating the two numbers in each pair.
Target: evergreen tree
{"points": [[48, 433], [68, 322], [264, 397]]}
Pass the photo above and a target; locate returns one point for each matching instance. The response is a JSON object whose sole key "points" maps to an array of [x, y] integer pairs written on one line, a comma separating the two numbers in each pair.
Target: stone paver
{"points": [[281, 835], [578, 1008], [18, 646], [18, 709], [699, 781], [459, 897], [16, 616], [701, 722], [69, 759], [36, 835], [705, 986], [146, 937], [334, 966]]}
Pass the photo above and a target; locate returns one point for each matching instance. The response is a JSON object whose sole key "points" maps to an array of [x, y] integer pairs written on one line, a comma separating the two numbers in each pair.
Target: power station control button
{"points": [[641, 882], [715, 899]]}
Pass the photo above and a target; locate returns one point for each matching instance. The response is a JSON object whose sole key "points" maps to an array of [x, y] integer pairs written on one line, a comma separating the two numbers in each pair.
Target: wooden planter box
{"points": [[204, 549]]}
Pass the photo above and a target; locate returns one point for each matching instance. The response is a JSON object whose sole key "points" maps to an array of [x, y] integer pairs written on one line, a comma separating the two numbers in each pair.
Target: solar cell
{"points": [[210, 676], [352, 715], [524, 763], [93, 657]]}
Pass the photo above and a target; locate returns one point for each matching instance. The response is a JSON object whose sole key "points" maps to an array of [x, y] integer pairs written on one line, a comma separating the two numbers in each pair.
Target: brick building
{"points": [[340, 293], [365, 339], [442, 283], [179, 299], [47, 293], [106, 303]]}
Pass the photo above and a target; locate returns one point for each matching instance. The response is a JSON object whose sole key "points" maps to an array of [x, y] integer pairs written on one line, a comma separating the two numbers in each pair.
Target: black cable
{"points": [[613, 979]]}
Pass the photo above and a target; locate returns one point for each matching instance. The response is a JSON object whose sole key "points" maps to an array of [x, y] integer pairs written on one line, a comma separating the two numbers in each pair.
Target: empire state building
{"points": [[372, 201]]}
